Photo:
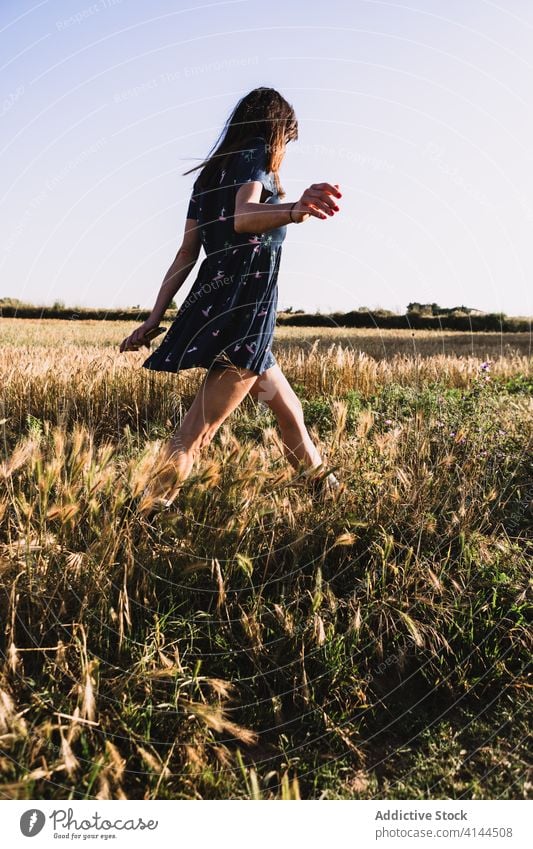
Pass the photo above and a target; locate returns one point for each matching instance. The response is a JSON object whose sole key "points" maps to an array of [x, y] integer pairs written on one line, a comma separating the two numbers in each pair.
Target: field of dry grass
{"points": [[376, 343], [259, 642]]}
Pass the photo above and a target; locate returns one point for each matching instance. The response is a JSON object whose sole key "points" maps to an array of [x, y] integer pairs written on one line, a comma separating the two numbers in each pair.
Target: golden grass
{"points": [[54, 333], [59, 370], [188, 655]]}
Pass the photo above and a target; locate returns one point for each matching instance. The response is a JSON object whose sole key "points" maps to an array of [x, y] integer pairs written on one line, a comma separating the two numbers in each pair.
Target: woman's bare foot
{"points": [[163, 486]]}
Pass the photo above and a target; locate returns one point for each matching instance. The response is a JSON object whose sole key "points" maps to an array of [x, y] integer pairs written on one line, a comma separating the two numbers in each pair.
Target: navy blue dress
{"points": [[231, 308]]}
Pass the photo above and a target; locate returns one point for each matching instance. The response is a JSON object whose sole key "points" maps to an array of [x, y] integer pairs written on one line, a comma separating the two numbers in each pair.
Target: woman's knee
{"points": [[282, 400], [290, 414]]}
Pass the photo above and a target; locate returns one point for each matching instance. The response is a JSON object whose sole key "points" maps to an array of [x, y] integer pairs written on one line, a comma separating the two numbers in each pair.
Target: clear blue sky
{"points": [[421, 111]]}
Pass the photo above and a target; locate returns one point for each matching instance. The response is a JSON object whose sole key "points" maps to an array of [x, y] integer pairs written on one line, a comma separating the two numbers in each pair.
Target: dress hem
{"points": [[203, 365]]}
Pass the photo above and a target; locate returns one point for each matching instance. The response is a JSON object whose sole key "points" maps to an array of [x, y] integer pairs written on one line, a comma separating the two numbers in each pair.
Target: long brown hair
{"points": [[261, 112]]}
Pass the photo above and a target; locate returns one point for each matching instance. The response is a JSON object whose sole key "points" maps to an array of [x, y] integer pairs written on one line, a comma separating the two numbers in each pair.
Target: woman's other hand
{"points": [[134, 341], [318, 200]]}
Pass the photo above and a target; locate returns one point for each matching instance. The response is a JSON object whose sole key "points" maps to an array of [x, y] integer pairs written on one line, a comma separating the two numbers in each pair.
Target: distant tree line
{"points": [[384, 319], [435, 309], [417, 316]]}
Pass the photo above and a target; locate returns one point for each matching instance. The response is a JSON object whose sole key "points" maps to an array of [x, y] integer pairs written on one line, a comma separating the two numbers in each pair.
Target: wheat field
{"points": [[260, 641]]}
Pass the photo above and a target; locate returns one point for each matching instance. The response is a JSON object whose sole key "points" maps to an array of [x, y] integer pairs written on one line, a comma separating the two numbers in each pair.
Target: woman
{"points": [[227, 322]]}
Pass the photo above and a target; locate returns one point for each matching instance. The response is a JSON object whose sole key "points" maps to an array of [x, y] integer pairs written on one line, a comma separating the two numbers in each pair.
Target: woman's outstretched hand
{"points": [[318, 200], [134, 341]]}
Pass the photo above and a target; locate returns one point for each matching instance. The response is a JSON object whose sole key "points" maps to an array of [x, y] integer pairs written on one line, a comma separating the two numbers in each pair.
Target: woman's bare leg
{"points": [[274, 389], [220, 393]]}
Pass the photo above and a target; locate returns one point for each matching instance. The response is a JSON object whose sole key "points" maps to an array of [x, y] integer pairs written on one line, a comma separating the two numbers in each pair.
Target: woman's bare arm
{"points": [[179, 270], [175, 277], [254, 217]]}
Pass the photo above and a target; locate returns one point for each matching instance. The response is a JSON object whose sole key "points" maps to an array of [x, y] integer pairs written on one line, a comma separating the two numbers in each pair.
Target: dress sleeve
{"points": [[250, 163]]}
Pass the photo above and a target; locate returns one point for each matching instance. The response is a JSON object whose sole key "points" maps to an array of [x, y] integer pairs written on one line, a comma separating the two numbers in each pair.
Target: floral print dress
{"points": [[230, 311]]}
